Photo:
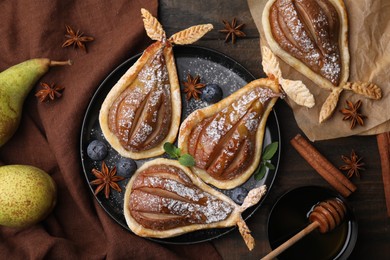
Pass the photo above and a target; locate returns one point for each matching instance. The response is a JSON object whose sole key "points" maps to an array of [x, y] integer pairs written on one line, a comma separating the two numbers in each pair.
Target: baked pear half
{"points": [[165, 199], [142, 111], [312, 37], [226, 138]]}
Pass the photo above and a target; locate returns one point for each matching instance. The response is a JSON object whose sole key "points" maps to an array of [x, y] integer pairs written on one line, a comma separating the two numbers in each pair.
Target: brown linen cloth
{"points": [[48, 136]]}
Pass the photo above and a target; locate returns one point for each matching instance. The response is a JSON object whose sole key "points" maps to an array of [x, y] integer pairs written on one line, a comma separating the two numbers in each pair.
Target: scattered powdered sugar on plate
{"points": [[213, 68], [210, 72]]}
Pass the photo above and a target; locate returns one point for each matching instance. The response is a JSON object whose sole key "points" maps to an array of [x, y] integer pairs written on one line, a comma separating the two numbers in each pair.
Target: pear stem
{"points": [[60, 63]]}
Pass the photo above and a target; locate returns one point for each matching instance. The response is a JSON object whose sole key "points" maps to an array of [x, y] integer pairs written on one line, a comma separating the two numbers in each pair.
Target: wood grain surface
{"points": [[368, 201]]}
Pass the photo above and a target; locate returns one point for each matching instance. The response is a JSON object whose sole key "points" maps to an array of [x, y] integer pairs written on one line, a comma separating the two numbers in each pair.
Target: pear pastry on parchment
{"points": [[142, 110], [165, 199], [312, 37]]}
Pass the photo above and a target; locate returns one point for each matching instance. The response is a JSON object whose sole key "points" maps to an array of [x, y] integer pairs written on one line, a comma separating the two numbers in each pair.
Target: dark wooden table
{"points": [[368, 201]]}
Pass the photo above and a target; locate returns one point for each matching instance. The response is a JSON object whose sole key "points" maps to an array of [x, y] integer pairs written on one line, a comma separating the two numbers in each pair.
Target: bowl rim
{"points": [[352, 236]]}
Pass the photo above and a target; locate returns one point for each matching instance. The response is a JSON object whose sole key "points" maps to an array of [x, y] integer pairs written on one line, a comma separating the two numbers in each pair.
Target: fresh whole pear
{"points": [[27, 195], [15, 84]]}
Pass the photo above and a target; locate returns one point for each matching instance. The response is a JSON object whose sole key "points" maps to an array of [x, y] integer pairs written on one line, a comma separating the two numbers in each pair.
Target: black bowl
{"points": [[290, 214]]}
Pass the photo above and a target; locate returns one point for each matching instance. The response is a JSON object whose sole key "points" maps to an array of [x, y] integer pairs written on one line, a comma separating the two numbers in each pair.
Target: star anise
{"points": [[77, 39], [353, 165], [232, 30], [352, 113], [192, 86], [106, 179], [49, 92]]}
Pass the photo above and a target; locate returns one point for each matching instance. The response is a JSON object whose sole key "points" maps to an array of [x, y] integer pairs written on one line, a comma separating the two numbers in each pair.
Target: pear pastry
{"points": [[142, 110], [226, 138], [312, 37], [165, 199]]}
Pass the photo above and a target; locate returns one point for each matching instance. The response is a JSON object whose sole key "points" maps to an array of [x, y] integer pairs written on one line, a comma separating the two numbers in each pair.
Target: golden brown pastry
{"points": [[294, 89], [226, 138], [165, 199], [142, 111], [312, 37]]}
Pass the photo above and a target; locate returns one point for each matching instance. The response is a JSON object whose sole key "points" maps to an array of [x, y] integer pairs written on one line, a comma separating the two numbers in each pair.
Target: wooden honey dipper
{"points": [[325, 216]]}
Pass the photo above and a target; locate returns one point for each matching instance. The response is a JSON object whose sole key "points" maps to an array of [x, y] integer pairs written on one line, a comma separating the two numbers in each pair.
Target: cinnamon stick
{"points": [[383, 141], [325, 168]]}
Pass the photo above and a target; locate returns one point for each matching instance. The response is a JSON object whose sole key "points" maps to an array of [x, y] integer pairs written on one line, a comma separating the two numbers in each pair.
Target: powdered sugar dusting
{"points": [[310, 41], [295, 26], [252, 122], [152, 85], [140, 136], [213, 211], [174, 186], [195, 205], [223, 122], [210, 72], [155, 73]]}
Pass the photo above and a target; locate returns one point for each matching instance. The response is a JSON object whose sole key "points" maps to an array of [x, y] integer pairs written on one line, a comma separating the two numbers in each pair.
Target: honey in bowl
{"points": [[291, 214]]}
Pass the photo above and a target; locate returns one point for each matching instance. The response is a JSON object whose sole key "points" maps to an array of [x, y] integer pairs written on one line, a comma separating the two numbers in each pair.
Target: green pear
{"points": [[27, 195], [15, 84]]}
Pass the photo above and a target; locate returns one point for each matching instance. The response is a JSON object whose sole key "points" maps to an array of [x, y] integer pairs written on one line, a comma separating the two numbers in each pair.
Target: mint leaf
{"points": [[259, 175], [170, 149], [270, 151], [187, 160], [269, 165], [177, 152]]}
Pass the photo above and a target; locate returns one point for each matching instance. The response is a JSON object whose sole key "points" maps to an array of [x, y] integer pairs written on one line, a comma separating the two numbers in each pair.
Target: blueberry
{"points": [[126, 167], [239, 194], [212, 93], [97, 150]]}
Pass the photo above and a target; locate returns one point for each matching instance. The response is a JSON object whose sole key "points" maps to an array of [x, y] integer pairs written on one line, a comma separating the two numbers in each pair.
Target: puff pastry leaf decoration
{"points": [[165, 199], [142, 111], [329, 104], [190, 35], [226, 138], [152, 26], [295, 89], [312, 37], [270, 63]]}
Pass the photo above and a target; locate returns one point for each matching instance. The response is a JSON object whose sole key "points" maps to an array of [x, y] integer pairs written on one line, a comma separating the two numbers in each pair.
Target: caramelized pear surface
{"points": [[163, 197], [309, 31], [142, 111], [226, 138], [223, 144], [140, 117]]}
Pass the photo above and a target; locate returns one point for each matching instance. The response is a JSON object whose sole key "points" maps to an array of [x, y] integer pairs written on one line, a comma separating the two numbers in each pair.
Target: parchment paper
{"points": [[369, 47]]}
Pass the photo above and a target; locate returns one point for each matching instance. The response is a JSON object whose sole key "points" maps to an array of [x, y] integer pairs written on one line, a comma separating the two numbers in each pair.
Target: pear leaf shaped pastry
{"points": [[312, 37], [142, 110], [295, 89], [165, 199], [152, 26], [226, 138]]}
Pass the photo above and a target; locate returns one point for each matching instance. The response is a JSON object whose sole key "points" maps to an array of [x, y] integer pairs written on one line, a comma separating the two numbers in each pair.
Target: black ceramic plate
{"points": [[213, 67]]}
